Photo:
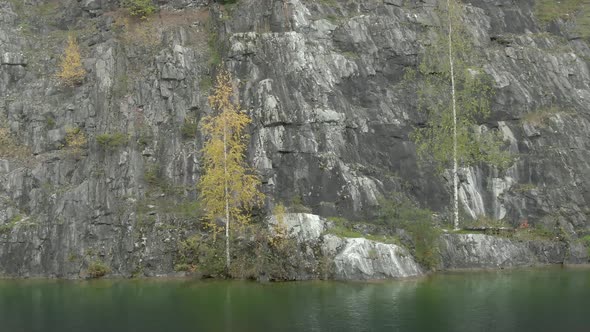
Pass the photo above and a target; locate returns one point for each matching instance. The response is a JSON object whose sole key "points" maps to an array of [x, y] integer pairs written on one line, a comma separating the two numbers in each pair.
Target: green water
{"points": [[532, 300]]}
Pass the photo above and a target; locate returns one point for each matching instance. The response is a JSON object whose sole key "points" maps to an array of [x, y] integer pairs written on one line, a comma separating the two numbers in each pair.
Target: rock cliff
{"points": [[323, 82]]}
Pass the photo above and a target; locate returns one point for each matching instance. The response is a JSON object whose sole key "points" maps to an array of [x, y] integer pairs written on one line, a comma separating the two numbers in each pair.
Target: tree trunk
{"points": [[455, 163], [226, 193]]}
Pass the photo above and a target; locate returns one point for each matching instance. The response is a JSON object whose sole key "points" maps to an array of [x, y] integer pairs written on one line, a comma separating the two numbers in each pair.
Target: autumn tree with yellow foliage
{"points": [[71, 71], [229, 187]]}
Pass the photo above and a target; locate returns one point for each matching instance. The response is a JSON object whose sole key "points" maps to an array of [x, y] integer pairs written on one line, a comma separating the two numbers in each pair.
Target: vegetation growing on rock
{"points": [[139, 8], [75, 140], [71, 72], [399, 212], [330, 126], [112, 141], [577, 11], [97, 269], [454, 94], [229, 187], [9, 146]]}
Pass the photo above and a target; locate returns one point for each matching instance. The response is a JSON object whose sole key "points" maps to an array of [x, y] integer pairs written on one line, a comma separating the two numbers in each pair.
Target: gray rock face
{"points": [[352, 258], [460, 251], [305, 227], [323, 82], [365, 259], [481, 251]]}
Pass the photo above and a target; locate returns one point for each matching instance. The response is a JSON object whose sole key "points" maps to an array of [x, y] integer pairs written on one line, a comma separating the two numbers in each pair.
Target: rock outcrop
{"points": [[361, 259], [466, 251], [323, 82], [348, 258]]}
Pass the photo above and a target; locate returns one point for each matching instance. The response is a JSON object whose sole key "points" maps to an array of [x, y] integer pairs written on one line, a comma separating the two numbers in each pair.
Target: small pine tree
{"points": [[229, 187], [71, 71]]}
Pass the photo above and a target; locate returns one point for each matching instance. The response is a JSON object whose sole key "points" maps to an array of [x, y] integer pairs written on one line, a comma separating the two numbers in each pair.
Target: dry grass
{"points": [[10, 148], [577, 11], [550, 10], [148, 32], [540, 116]]}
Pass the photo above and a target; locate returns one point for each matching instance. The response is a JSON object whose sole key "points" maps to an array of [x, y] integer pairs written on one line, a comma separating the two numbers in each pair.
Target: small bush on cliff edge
{"points": [[139, 8], [399, 211], [97, 269], [112, 141]]}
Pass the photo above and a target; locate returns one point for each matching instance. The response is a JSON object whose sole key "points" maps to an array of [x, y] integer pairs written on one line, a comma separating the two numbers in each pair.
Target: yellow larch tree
{"points": [[229, 187], [71, 70]]}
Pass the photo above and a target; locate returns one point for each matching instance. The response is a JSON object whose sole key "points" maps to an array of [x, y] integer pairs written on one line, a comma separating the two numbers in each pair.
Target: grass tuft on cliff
{"points": [[577, 11], [551, 10], [97, 269]]}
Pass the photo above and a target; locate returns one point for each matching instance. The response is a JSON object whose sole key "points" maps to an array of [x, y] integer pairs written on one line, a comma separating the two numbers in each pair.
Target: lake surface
{"points": [[549, 299]]}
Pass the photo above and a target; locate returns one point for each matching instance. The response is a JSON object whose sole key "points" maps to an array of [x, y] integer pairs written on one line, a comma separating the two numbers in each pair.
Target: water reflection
{"points": [[538, 300]]}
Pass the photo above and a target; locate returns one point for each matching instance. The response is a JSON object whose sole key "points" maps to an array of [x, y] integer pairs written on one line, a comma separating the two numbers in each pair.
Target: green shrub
{"points": [[202, 254], [343, 231], [144, 137], [139, 8], [586, 242], [112, 141], [187, 253], [10, 224], [97, 269], [6, 228], [535, 233], [183, 267], [425, 238], [342, 228], [345, 228], [153, 176], [212, 258], [297, 205], [185, 210], [190, 128], [188, 210], [266, 256], [214, 47], [121, 85], [399, 211], [205, 84], [49, 121]]}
